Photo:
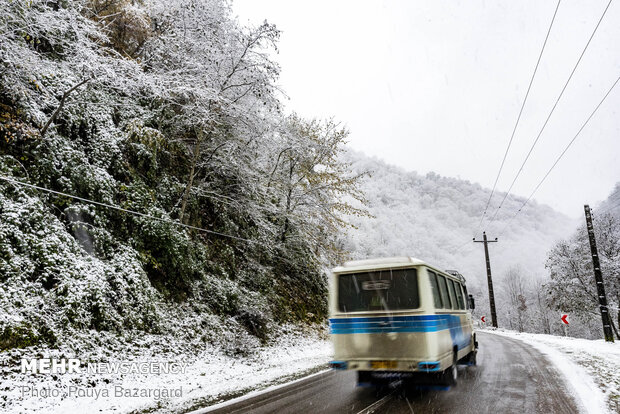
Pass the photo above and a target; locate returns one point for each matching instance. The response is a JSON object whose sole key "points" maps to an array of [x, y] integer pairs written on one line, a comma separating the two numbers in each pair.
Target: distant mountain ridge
{"points": [[434, 218], [611, 204]]}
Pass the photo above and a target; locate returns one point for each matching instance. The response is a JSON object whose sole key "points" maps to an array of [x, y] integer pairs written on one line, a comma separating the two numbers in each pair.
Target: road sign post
{"points": [[565, 324]]}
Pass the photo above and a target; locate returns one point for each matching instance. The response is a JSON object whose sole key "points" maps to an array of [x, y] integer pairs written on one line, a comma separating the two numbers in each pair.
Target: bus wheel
{"points": [[472, 358], [450, 375]]}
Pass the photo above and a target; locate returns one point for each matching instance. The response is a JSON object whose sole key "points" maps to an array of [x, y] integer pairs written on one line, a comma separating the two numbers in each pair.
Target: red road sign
{"points": [[564, 319], [483, 320]]}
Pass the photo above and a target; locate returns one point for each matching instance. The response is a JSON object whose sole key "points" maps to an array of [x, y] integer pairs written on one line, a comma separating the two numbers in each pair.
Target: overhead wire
{"points": [[137, 213], [461, 247], [514, 129], [552, 110], [561, 155]]}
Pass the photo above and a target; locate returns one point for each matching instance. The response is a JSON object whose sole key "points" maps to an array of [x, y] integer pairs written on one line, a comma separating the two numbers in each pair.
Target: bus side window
{"points": [[466, 297], [459, 295], [452, 294], [443, 288], [435, 289]]}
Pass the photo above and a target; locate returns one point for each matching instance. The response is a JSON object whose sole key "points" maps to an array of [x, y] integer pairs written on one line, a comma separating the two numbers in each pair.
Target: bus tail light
{"points": [[429, 366], [338, 364]]}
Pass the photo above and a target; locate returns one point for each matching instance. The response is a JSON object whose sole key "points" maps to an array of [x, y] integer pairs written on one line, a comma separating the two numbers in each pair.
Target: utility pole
{"points": [[598, 276], [489, 280]]}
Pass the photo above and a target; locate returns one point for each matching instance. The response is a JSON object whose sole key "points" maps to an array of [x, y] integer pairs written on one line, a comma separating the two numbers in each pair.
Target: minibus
{"points": [[400, 318]]}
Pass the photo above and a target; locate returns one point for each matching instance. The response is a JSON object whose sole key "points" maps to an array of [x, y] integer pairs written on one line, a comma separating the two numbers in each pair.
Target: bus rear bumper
{"points": [[402, 366], [384, 378]]}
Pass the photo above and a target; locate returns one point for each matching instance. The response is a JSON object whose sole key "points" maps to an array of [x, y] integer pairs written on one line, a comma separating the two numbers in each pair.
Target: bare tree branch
{"points": [[60, 105]]}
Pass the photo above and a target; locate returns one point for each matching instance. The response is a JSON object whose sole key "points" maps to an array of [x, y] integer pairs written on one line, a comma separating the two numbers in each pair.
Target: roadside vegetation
{"points": [[171, 110]]}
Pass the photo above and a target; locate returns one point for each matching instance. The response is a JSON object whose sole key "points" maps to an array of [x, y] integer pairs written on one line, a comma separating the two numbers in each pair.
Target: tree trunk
{"points": [[618, 302], [190, 180], [286, 219], [613, 325], [288, 203], [543, 314]]}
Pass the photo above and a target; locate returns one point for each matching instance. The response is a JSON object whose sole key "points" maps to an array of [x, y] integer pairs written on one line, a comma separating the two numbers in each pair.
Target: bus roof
{"points": [[380, 263], [390, 262]]}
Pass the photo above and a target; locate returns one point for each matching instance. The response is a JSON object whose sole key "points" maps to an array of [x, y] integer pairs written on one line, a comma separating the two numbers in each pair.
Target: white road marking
{"points": [[372, 407]]}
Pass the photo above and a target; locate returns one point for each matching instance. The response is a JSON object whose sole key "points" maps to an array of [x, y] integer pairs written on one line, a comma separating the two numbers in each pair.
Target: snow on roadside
{"points": [[591, 367], [207, 379], [286, 360]]}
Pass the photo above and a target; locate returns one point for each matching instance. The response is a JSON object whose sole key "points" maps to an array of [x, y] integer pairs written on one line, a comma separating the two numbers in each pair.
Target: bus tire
{"points": [[450, 375], [473, 359]]}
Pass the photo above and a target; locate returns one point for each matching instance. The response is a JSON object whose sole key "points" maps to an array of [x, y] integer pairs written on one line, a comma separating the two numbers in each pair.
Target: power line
{"points": [[462, 246], [520, 113], [552, 109], [137, 213], [562, 154]]}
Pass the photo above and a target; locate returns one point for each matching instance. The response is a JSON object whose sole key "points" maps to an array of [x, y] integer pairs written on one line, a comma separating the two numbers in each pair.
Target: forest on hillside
{"points": [[435, 218], [150, 180]]}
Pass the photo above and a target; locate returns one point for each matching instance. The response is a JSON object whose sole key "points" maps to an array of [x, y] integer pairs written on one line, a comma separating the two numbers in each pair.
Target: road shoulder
{"points": [[591, 369]]}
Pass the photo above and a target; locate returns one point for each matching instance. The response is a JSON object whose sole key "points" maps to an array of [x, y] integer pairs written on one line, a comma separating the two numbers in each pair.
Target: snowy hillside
{"points": [[435, 218], [612, 203]]}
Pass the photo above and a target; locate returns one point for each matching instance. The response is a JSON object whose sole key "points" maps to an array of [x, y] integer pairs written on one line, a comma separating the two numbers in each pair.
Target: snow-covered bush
{"points": [[52, 284]]}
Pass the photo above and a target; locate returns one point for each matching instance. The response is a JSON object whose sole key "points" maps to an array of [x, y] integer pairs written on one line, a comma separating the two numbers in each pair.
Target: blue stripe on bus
{"points": [[392, 318], [402, 324]]}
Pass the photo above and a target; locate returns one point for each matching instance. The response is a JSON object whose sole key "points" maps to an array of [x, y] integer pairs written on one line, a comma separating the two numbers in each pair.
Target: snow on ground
{"points": [[210, 378], [591, 368]]}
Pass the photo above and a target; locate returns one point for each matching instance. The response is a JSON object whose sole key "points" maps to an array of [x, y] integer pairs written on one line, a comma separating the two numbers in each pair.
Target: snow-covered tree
{"points": [[315, 189], [515, 291], [214, 84], [572, 287]]}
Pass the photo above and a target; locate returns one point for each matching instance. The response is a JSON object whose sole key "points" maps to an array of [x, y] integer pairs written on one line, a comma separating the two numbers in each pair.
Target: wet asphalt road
{"points": [[511, 377]]}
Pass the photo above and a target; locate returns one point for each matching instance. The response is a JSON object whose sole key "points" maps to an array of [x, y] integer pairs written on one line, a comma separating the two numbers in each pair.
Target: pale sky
{"points": [[437, 86]]}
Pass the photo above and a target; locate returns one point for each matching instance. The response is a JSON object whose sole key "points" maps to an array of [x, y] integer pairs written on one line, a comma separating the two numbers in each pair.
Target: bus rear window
{"points": [[381, 290]]}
